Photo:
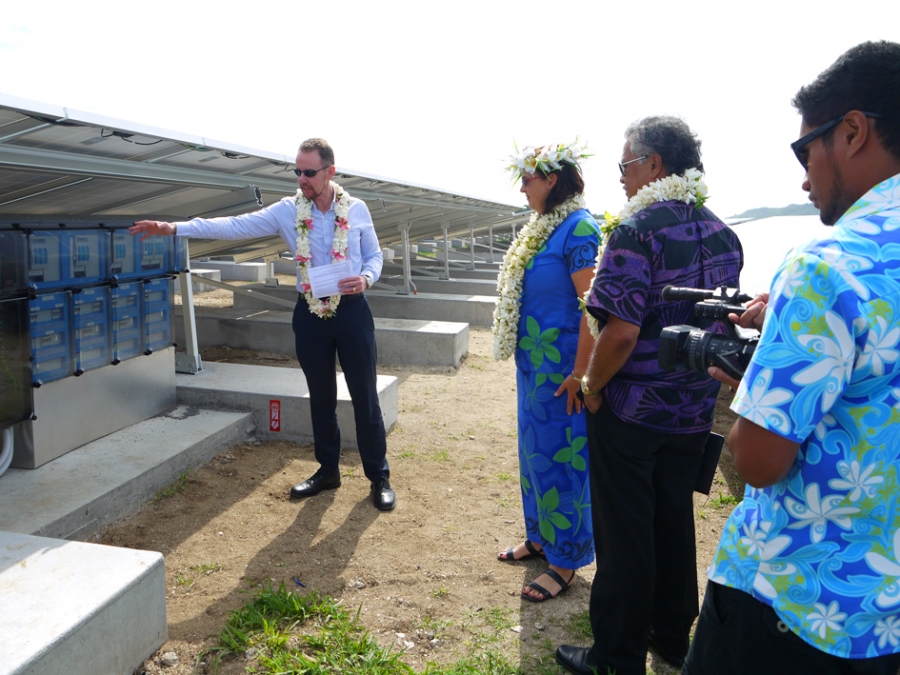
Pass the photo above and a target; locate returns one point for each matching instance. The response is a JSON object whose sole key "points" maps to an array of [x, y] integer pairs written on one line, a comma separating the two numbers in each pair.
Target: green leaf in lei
{"points": [[531, 262], [549, 519], [540, 344], [571, 454]]}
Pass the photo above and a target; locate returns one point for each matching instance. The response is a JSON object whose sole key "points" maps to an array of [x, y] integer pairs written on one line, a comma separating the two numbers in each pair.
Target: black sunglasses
{"points": [[309, 173], [798, 145]]}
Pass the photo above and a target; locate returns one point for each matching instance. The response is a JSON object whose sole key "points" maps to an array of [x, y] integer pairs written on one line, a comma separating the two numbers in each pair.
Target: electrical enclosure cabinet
{"points": [[91, 328], [15, 366], [66, 259], [125, 319], [157, 313], [51, 331], [13, 276], [156, 255]]}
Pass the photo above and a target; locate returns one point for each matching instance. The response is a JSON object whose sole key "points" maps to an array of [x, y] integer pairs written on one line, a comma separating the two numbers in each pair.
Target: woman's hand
{"points": [[570, 386]]}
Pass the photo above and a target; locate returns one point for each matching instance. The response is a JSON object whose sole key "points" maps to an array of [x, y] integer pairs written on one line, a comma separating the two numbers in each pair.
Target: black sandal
{"points": [[532, 552], [553, 574]]}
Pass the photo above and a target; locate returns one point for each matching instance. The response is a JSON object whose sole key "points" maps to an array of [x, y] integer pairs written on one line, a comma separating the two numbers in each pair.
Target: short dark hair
{"points": [[670, 138], [865, 78], [568, 184], [320, 145]]}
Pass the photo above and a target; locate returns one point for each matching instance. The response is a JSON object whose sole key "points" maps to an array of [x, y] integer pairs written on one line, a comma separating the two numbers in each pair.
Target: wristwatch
{"points": [[587, 391], [368, 280]]}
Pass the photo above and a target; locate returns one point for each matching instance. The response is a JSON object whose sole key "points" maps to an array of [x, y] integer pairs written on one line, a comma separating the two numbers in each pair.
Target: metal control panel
{"points": [[66, 259], [157, 312], [51, 331], [156, 255], [15, 366], [125, 319], [91, 328]]}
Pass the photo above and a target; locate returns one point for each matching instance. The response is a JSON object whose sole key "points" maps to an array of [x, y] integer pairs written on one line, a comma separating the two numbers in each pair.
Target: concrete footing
{"points": [[460, 286], [475, 310], [399, 341], [229, 385], [197, 277], [78, 609], [232, 271]]}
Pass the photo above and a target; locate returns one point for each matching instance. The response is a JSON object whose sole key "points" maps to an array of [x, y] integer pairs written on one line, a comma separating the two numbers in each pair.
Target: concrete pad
{"points": [[240, 387], [446, 286], [399, 341], [78, 609], [232, 271], [197, 277], [475, 310], [76, 494]]}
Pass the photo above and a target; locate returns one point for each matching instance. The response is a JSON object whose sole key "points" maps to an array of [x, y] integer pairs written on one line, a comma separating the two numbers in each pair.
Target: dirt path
{"points": [[425, 571]]}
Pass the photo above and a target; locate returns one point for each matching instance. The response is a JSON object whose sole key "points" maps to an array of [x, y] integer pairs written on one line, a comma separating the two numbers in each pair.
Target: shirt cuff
{"points": [[368, 278]]}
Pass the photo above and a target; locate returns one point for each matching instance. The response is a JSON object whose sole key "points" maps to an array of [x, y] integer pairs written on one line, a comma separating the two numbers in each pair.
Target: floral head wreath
{"points": [[547, 159]]}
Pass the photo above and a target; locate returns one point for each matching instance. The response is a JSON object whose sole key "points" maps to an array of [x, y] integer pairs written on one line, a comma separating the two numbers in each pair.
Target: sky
{"points": [[439, 93]]}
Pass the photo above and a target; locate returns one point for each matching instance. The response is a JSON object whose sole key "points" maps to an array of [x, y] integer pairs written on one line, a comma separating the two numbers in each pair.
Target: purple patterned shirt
{"points": [[669, 243]]}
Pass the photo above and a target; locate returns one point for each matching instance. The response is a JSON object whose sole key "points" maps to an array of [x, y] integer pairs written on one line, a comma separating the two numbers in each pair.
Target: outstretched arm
{"points": [[149, 228]]}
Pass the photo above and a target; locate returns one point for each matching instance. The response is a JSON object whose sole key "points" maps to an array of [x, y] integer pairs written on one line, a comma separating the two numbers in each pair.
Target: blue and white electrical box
{"points": [[126, 321], [157, 314], [51, 331], [91, 328], [66, 259], [155, 255]]}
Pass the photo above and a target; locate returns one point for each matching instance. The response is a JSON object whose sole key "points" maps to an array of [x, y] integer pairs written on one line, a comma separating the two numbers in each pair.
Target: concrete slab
{"points": [[447, 286], [475, 310], [78, 609], [232, 271], [76, 494], [197, 277], [240, 387], [399, 341]]}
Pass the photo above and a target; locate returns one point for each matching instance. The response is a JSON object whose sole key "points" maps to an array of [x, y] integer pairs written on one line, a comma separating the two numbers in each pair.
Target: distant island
{"points": [[766, 212]]}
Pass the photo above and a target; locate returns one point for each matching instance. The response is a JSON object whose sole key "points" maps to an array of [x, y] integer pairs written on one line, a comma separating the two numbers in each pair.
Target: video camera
{"points": [[691, 348]]}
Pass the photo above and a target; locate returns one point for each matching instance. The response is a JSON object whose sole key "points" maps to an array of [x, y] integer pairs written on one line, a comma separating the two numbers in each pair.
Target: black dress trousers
{"points": [[349, 334]]}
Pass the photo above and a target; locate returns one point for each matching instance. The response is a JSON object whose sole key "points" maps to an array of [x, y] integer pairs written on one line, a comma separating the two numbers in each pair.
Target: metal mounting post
{"points": [[446, 275], [189, 360], [406, 287]]}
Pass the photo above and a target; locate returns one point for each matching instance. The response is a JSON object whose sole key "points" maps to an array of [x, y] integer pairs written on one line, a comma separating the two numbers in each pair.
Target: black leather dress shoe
{"points": [[575, 660], [382, 495], [315, 484]]}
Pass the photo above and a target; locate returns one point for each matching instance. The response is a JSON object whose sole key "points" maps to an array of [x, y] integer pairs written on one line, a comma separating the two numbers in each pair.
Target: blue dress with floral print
{"points": [[553, 458]]}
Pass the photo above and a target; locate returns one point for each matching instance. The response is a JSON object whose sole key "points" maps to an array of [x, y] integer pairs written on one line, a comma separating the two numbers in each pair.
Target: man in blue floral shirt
{"points": [[807, 575]]}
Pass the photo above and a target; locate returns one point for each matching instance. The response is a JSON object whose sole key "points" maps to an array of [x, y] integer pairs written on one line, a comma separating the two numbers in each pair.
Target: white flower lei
{"points": [[324, 309], [530, 239], [688, 188], [546, 160]]}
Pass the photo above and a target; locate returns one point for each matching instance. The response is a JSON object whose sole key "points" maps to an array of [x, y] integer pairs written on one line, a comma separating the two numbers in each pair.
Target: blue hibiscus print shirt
{"points": [[822, 547]]}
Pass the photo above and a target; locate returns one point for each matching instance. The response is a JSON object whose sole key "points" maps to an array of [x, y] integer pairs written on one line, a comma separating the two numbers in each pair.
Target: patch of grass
{"points": [[701, 514], [407, 454], [286, 633], [173, 488], [182, 580], [579, 626], [440, 593], [503, 476], [208, 569], [440, 456], [505, 502], [724, 500]]}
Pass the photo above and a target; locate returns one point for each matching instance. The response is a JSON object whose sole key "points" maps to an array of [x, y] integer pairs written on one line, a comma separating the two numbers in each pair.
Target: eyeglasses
{"points": [[622, 165], [798, 145], [309, 173], [526, 180]]}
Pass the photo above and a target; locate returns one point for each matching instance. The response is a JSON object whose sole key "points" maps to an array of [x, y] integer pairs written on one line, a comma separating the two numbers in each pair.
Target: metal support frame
{"points": [[491, 242], [446, 275], [407, 286], [189, 360], [471, 265]]}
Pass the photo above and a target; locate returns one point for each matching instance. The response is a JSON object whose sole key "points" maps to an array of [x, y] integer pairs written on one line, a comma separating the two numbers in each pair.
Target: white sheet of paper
{"points": [[324, 278]]}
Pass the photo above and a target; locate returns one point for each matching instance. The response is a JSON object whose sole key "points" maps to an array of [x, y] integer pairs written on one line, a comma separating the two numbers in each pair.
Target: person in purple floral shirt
{"points": [[646, 427]]}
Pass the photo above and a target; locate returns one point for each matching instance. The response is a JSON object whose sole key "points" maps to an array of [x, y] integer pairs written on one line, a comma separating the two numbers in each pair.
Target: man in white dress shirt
{"points": [[321, 327]]}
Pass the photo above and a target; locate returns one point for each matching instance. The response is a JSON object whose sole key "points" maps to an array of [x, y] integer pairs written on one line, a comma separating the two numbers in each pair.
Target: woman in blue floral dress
{"points": [[538, 320]]}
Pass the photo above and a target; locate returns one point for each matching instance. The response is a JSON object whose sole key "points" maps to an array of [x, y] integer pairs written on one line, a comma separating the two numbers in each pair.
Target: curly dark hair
{"points": [[320, 145], [568, 184], [670, 138], [865, 78]]}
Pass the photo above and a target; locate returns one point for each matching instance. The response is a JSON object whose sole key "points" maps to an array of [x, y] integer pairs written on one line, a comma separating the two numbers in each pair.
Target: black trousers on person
{"points": [[738, 634], [641, 497], [349, 334]]}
